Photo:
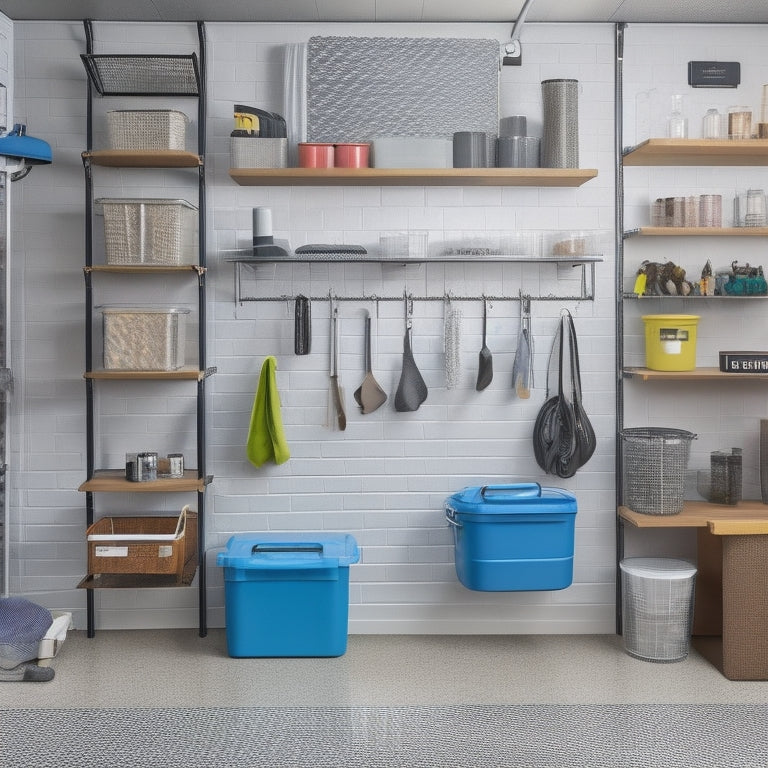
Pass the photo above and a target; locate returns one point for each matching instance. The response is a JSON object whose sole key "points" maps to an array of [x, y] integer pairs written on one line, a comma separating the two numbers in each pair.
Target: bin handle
{"points": [[259, 548], [450, 516], [517, 489]]}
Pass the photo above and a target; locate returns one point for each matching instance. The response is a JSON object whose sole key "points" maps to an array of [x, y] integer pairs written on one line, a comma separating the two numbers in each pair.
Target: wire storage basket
{"points": [[657, 606], [655, 460]]}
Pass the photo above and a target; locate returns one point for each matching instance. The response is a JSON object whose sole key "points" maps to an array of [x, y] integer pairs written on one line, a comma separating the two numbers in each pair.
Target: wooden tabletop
{"points": [[744, 518]]}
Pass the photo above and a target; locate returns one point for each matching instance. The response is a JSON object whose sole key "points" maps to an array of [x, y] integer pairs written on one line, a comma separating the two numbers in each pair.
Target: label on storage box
{"points": [[672, 340], [111, 551], [165, 551]]}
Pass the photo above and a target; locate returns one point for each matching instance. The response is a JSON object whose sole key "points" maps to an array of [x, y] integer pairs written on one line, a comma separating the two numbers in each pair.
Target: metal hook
{"points": [[408, 311]]}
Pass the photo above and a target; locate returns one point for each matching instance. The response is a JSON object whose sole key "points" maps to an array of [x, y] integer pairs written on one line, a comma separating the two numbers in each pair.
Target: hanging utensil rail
{"points": [[587, 285], [374, 297]]}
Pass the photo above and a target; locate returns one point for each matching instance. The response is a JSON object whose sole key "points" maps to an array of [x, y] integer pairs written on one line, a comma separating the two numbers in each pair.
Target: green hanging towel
{"points": [[266, 439]]}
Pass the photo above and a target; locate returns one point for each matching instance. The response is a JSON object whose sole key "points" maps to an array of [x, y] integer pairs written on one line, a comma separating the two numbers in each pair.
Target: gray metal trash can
{"points": [[657, 607]]}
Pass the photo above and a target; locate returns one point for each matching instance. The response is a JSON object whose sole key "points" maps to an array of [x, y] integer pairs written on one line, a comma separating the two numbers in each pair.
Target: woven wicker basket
{"points": [[147, 129], [149, 231], [153, 545]]}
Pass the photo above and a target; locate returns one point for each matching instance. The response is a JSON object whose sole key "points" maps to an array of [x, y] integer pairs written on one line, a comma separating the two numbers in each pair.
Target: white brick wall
{"points": [[385, 478]]}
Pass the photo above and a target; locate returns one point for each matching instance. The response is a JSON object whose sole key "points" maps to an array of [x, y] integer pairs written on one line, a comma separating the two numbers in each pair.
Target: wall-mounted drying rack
{"points": [[587, 285]]}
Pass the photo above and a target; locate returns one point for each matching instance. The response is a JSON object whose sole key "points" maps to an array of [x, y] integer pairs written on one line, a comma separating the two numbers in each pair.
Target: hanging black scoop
{"points": [[411, 391]]}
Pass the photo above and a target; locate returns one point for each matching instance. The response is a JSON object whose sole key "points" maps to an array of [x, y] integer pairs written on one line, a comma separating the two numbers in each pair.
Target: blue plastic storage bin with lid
{"points": [[512, 538], [287, 594]]}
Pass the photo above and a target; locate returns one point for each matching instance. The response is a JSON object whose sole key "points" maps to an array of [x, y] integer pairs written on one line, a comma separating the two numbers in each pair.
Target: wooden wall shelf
{"points": [[744, 518], [113, 481], [141, 158], [698, 152], [144, 269], [698, 232], [521, 177], [184, 374], [698, 374]]}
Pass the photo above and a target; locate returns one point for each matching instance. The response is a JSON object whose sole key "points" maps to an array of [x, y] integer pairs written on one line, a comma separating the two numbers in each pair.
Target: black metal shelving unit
{"points": [[147, 75]]}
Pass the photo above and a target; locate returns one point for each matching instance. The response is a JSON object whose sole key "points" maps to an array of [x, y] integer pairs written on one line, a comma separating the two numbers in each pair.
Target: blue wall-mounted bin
{"points": [[287, 594], [513, 538]]}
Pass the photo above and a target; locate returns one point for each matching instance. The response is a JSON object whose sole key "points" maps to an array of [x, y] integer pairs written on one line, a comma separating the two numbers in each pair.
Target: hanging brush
{"points": [[452, 343]]}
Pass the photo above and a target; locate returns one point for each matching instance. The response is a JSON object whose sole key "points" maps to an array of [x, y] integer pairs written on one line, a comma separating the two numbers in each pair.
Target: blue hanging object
{"points": [[27, 148]]}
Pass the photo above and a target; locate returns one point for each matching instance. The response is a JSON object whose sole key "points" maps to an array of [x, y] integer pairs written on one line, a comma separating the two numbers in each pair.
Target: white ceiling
{"points": [[639, 11]]}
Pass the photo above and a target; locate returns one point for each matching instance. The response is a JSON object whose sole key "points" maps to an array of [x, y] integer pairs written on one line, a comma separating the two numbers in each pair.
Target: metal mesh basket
{"points": [[143, 74], [655, 460], [146, 129], [657, 607]]}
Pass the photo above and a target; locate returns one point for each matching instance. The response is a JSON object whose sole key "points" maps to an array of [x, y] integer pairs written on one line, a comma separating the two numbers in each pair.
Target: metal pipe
{"points": [[619, 305]]}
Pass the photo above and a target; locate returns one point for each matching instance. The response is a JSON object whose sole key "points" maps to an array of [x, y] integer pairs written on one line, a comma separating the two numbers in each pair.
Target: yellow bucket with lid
{"points": [[670, 342]]}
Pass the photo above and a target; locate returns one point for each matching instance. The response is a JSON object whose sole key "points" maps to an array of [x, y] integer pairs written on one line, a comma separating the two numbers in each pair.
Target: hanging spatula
{"points": [[335, 387], [485, 361], [369, 395], [522, 368]]}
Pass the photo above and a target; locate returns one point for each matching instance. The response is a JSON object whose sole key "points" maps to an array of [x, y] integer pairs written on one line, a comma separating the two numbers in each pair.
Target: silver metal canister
{"points": [[176, 464], [560, 141], [147, 466]]}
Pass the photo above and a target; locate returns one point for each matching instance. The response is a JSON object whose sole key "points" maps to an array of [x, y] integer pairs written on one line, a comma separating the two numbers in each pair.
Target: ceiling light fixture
{"points": [[513, 50]]}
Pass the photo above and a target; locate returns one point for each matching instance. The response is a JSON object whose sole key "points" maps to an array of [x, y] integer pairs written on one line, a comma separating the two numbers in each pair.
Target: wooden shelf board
{"points": [[698, 374], [138, 580], [698, 232], [113, 481], [523, 177], [698, 152], [141, 580], [141, 158], [187, 373], [144, 269], [694, 297], [745, 517]]}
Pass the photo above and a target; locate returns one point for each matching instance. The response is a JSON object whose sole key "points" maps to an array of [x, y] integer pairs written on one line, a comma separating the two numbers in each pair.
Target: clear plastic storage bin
{"points": [[149, 231], [657, 607], [144, 338]]}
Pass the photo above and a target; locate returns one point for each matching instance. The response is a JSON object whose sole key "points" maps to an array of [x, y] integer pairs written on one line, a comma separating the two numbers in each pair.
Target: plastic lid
{"points": [[672, 318], [289, 550], [162, 111], [658, 568], [144, 201], [506, 496], [118, 309]]}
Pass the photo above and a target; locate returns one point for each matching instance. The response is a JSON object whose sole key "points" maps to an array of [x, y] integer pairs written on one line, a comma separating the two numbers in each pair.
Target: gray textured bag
{"points": [[23, 625]]}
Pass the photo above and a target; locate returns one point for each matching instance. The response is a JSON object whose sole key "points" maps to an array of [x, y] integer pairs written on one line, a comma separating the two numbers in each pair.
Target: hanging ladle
{"points": [[485, 362], [369, 395]]}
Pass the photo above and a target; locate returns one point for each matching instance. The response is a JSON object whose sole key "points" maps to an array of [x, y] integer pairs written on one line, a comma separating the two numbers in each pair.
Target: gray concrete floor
{"points": [[177, 668]]}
